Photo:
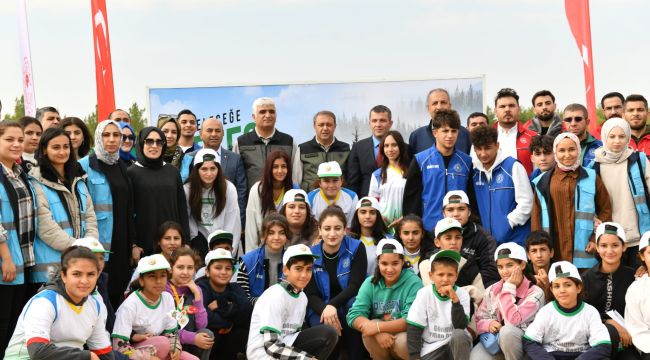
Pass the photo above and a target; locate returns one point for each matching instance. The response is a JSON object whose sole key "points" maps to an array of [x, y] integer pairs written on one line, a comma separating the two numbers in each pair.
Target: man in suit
{"points": [[363, 159]]}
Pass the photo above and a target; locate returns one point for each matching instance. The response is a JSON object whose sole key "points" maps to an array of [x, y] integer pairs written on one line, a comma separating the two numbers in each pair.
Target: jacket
{"points": [[63, 217], [422, 139], [553, 130], [256, 271], [346, 253], [524, 137], [310, 154], [637, 313], [479, 247], [233, 307], [641, 144], [588, 150], [597, 293], [253, 152], [361, 165]]}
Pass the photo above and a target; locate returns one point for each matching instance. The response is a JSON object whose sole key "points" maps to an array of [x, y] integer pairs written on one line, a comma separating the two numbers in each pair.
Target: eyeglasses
{"points": [[126, 120], [152, 142], [128, 137], [573, 119]]}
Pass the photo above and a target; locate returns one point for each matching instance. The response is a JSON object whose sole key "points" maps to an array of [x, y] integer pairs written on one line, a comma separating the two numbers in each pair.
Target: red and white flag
{"points": [[577, 13], [103, 65], [26, 60]]}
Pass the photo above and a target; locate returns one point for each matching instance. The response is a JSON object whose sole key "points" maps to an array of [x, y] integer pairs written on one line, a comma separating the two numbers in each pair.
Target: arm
{"points": [[362, 307], [8, 266], [373, 190], [242, 280], [242, 191], [414, 340], [276, 349], [517, 314], [412, 203], [296, 168], [183, 219], [485, 251], [99, 341], [459, 319], [91, 218], [482, 316], [48, 230], [232, 221], [603, 204], [523, 196], [357, 276], [638, 329], [215, 319], [314, 299], [536, 215]]}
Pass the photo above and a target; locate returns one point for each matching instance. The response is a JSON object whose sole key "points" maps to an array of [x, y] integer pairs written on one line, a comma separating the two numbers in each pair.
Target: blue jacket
{"points": [[100, 192], [585, 209], [254, 262], [588, 150], [496, 199], [348, 248], [422, 138]]}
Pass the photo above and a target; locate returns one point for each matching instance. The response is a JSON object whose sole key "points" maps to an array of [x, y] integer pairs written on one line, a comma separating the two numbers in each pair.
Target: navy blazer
{"points": [[361, 165], [233, 167]]}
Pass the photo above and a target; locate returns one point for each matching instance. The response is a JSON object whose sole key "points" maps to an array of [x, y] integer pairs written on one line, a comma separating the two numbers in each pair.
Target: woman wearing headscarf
{"points": [[158, 194], [569, 201], [128, 142], [110, 189], [626, 175], [174, 153]]}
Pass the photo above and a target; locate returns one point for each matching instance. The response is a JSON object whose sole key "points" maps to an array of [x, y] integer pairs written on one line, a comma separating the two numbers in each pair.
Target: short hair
{"points": [[611, 95], [325, 113], [539, 237], [262, 101], [484, 135], [541, 142], [477, 114], [543, 93], [308, 260], [577, 107], [381, 109], [116, 110], [445, 117], [41, 111], [28, 120], [438, 90], [444, 261], [637, 97], [506, 92], [185, 112]]}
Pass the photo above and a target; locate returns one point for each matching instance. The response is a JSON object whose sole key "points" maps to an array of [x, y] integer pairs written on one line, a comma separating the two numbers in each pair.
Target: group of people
{"points": [[511, 240]]}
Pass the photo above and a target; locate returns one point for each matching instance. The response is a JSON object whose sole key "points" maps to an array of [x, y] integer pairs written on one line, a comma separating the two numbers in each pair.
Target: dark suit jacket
{"points": [[233, 168], [361, 164]]}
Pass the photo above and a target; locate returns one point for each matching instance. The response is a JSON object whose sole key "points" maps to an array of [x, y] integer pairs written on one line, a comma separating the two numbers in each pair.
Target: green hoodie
{"points": [[375, 300]]}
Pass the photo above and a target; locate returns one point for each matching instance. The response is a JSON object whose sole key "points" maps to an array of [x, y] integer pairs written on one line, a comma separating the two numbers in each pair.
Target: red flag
{"points": [[577, 12], [103, 66]]}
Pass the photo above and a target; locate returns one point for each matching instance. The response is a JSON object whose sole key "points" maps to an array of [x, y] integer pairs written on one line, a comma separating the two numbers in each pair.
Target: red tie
{"points": [[379, 158]]}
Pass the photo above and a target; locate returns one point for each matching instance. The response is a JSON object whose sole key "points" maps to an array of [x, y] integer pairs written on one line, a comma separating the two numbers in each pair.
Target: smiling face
{"points": [[220, 272], [567, 152], [332, 231], [331, 186], [566, 292], [636, 114], [111, 138], [33, 134], [188, 125], [212, 133], [380, 123], [298, 274], [153, 145], [58, 150], [275, 238], [183, 270], [411, 235], [296, 213], [279, 170], [153, 283], [11, 145], [390, 267], [391, 148], [265, 117], [171, 241], [128, 139], [80, 278], [610, 248], [171, 133]]}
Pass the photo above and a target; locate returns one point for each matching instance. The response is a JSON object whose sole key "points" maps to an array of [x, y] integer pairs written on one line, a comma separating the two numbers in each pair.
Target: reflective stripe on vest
{"points": [[636, 179], [100, 192]]}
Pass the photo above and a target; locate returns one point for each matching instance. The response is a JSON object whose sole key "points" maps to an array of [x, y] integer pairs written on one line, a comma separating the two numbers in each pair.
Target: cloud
{"points": [[169, 107]]}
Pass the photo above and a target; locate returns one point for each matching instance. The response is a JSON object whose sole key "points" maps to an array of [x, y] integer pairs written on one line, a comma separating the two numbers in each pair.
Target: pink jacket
{"points": [[509, 305]]}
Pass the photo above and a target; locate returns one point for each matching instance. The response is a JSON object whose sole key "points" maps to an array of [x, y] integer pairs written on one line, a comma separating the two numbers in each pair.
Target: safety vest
{"points": [[100, 192], [312, 155]]}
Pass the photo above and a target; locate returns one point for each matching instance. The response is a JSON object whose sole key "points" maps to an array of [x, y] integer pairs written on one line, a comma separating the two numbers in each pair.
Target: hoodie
{"points": [[553, 130]]}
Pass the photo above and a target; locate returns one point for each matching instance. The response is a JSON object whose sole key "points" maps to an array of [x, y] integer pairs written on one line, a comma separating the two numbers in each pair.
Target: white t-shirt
{"points": [[346, 200], [279, 311], [567, 332], [50, 316], [390, 193], [432, 313], [371, 253], [136, 315]]}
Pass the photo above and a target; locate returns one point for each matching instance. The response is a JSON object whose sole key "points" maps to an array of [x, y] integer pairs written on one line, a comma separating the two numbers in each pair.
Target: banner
{"points": [[103, 66], [577, 13], [26, 60], [296, 105]]}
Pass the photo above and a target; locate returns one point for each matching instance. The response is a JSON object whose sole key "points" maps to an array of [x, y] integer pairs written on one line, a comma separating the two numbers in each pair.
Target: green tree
{"points": [[19, 109], [91, 121], [137, 120]]}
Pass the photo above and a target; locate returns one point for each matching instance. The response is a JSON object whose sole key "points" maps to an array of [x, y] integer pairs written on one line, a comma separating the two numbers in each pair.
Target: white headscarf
{"points": [[605, 154], [102, 154], [572, 137]]}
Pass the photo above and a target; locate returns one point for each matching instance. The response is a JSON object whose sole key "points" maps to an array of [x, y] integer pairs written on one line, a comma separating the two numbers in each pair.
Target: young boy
{"points": [[541, 155], [332, 192], [439, 315], [539, 248], [503, 193], [278, 315], [219, 239]]}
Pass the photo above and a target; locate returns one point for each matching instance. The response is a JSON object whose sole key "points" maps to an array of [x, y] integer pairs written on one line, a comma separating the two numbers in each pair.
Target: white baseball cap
{"points": [[459, 193], [294, 195], [645, 239], [329, 169], [447, 224], [610, 228], [204, 155], [152, 263], [510, 250], [90, 242], [297, 250], [398, 248], [218, 254], [563, 269], [368, 201]]}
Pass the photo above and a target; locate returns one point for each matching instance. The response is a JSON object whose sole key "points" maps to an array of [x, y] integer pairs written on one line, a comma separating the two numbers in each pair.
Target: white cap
{"points": [[446, 224], [204, 155], [152, 263], [218, 254], [329, 169], [398, 248], [645, 239], [368, 201], [294, 195], [297, 250], [512, 251], [459, 193], [610, 228], [563, 269], [90, 242]]}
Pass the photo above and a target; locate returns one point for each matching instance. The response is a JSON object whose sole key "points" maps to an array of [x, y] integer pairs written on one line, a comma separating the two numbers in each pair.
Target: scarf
{"points": [[102, 154], [605, 154], [127, 156], [170, 152], [139, 151], [572, 137]]}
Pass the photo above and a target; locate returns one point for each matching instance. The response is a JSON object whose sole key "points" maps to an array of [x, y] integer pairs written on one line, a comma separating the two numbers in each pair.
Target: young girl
{"points": [[229, 310], [64, 317], [369, 227], [33, 131], [302, 223], [266, 195], [79, 134], [566, 328], [262, 267], [410, 232], [380, 309], [637, 309], [387, 182], [170, 239], [338, 273], [144, 328], [606, 285], [331, 191], [507, 307]]}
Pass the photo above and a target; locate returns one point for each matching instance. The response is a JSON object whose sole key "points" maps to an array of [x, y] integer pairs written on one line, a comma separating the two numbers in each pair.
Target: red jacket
{"points": [[524, 137], [643, 143]]}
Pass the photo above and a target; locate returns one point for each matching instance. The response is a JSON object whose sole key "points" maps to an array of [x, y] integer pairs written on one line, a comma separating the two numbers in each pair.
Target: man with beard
{"points": [[546, 121], [612, 104], [576, 121], [636, 114]]}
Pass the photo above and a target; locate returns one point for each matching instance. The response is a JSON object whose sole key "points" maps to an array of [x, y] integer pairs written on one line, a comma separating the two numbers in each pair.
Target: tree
{"points": [[91, 121], [137, 120], [19, 109]]}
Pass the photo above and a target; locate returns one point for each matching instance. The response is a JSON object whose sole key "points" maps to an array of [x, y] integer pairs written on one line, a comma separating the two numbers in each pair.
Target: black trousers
{"points": [[13, 300], [318, 341]]}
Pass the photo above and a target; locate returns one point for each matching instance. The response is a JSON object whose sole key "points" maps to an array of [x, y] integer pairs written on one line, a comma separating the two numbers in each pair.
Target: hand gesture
{"points": [[542, 279], [591, 248], [516, 276], [448, 291], [203, 341], [494, 327], [330, 316], [385, 340]]}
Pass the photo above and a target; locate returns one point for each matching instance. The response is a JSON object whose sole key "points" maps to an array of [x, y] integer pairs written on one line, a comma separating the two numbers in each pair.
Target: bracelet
{"points": [[378, 330]]}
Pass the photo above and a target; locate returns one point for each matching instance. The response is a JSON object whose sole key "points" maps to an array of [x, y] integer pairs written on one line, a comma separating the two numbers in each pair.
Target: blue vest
{"points": [[254, 261], [47, 258], [437, 181], [100, 192], [496, 199], [7, 213], [588, 153], [186, 163], [585, 210]]}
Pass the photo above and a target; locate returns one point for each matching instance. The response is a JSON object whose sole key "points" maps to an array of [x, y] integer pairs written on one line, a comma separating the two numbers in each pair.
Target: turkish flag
{"points": [[577, 13], [103, 65]]}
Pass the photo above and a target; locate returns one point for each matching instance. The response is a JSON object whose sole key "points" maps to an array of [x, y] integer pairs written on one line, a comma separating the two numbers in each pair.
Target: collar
{"points": [[323, 146], [375, 141], [14, 172], [265, 138], [589, 139], [327, 201], [290, 289]]}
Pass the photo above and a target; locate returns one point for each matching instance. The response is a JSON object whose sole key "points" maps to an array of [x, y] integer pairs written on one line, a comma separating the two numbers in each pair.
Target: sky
{"points": [[523, 44]]}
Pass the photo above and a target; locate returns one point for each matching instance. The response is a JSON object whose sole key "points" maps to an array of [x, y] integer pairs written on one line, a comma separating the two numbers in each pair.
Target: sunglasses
{"points": [[128, 137], [573, 119], [152, 142]]}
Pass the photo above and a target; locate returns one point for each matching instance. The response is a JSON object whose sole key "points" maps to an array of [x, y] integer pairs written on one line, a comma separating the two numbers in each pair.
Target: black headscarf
{"points": [[139, 151]]}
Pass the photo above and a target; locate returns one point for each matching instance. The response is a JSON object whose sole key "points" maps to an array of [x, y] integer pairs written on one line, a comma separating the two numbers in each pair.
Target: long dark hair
{"points": [[379, 230], [527, 275], [265, 189], [196, 192], [71, 167], [162, 229], [84, 148], [426, 244], [377, 275], [308, 227], [403, 160]]}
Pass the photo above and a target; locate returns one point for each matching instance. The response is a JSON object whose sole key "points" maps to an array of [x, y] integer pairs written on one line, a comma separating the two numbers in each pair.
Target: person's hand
{"points": [[494, 327], [8, 270], [591, 248], [370, 328], [542, 279], [330, 316], [93, 356], [597, 223], [394, 223], [385, 340], [175, 355], [203, 340], [626, 339], [140, 337], [516, 276], [136, 253], [640, 271], [448, 291], [195, 290], [213, 305]]}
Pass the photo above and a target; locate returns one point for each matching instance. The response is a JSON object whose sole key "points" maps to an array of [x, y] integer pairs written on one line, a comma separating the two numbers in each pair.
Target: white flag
{"points": [[26, 60]]}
